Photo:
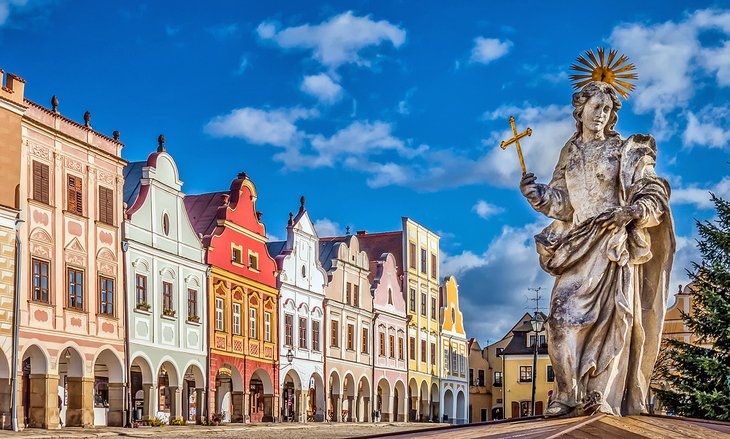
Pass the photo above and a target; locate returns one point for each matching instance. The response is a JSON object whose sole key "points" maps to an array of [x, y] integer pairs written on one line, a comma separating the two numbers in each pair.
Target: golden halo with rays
{"points": [[616, 72]]}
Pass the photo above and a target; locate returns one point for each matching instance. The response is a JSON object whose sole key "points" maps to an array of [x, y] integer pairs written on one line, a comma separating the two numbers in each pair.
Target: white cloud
{"points": [[6, 6], [327, 227], [322, 87], [337, 40], [700, 196], [486, 50], [485, 210], [243, 65], [667, 56], [686, 253], [708, 128], [274, 127]]}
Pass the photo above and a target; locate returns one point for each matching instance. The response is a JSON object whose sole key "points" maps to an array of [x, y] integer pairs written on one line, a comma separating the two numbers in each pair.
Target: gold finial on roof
{"points": [[616, 72]]}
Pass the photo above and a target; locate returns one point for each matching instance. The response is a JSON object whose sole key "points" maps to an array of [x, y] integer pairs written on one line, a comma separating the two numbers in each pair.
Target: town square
{"points": [[364, 219]]}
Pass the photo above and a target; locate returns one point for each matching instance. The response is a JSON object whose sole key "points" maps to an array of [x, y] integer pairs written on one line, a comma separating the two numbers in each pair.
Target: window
{"points": [[525, 374], [498, 351], [424, 261], [400, 348], [41, 182], [141, 288], [304, 271], [348, 293], [481, 378], [550, 374], [167, 296], [288, 329], [471, 377], [218, 314], [41, 271], [365, 340], [412, 296], [498, 379], [75, 195], [75, 288], [454, 363], [382, 344], [253, 323], [253, 261], [433, 353], [267, 326], [447, 365], [302, 333], [423, 304], [391, 340], [390, 296], [334, 336], [412, 254], [350, 337], [423, 351], [192, 303], [413, 348], [433, 308], [106, 205], [236, 255], [532, 341], [543, 341], [236, 319], [356, 295], [315, 336], [106, 296], [434, 265]]}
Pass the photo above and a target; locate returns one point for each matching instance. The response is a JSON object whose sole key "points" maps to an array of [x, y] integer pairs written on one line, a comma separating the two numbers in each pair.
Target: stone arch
{"points": [[70, 357], [143, 362], [193, 392], [194, 370], [399, 402], [265, 380], [460, 407], [435, 408], [113, 363], [38, 359], [40, 410], [229, 391], [293, 376], [348, 385], [383, 400], [169, 366], [109, 394], [261, 396], [448, 407], [317, 397]]}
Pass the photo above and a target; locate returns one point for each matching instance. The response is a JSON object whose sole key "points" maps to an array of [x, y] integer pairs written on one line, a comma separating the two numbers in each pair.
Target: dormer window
{"points": [[236, 255], [253, 260]]}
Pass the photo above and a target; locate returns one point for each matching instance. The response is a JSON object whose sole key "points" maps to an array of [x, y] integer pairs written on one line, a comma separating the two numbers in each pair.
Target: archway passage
{"points": [[229, 395], [261, 397], [435, 403], [449, 407], [460, 408], [168, 392], [109, 390], [425, 407], [413, 404], [142, 390], [75, 391], [399, 405], [316, 405], [292, 398], [383, 402], [193, 394], [363, 406], [347, 413], [39, 391], [335, 398]]}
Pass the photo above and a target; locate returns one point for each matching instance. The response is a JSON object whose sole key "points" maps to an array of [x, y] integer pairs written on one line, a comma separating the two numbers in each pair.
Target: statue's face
{"points": [[596, 112]]}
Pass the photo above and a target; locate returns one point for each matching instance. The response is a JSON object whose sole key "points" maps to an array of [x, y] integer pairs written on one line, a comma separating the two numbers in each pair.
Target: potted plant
{"points": [[195, 319], [144, 306], [177, 421], [216, 418], [168, 312]]}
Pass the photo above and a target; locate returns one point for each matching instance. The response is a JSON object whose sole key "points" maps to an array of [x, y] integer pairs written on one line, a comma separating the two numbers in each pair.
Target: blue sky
{"points": [[377, 110]]}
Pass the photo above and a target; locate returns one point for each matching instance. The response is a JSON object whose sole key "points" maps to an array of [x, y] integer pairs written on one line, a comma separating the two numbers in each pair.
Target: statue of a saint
{"points": [[610, 249]]}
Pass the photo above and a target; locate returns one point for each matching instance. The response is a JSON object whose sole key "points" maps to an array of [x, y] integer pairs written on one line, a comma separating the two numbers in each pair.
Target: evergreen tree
{"points": [[698, 375]]}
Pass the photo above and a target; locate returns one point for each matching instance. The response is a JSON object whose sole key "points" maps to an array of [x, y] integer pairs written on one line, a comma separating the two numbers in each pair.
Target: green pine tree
{"points": [[697, 376]]}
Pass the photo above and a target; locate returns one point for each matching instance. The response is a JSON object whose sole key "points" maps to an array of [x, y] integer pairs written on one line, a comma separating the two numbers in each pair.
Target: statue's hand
{"points": [[619, 216], [530, 188]]}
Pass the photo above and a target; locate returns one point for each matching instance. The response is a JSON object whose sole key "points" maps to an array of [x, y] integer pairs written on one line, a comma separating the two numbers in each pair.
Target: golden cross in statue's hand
{"points": [[516, 141]]}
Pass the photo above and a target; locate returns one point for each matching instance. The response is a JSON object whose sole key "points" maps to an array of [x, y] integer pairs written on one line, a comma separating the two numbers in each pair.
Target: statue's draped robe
{"points": [[609, 298]]}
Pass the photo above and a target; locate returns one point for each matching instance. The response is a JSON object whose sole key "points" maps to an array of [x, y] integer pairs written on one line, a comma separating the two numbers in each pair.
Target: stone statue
{"points": [[610, 249]]}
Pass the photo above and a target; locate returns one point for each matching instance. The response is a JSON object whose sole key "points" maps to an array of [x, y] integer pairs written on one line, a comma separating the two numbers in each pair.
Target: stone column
{"points": [[351, 409], [175, 404], [199, 404], [338, 410], [80, 410], [386, 412], [43, 402], [275, 408], [149, 407], [117, 397], [301, 406], [239, 408], [415, 406], [367, 413]]}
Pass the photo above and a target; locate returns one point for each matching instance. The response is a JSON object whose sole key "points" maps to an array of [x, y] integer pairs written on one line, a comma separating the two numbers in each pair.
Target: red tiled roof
{"points": [[203, 210], [375, 244]]}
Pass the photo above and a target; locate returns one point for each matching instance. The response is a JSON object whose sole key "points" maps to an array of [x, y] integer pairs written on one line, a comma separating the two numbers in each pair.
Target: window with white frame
{"points": [[267, 326], [218, 314], [253, 322], [236, 319]]}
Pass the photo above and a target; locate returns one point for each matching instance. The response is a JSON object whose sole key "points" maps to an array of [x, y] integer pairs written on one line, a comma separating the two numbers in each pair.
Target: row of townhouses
{"points": [[122, 299]]}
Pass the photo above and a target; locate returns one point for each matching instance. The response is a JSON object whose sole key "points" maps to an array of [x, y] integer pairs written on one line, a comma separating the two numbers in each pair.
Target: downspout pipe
{"points": [[16, 322], [127, 364]]}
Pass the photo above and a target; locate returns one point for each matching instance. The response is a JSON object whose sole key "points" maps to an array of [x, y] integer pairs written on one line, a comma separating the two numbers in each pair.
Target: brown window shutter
{"points": [[106, 206], [71, 194], [515, 409], [45, 184]]}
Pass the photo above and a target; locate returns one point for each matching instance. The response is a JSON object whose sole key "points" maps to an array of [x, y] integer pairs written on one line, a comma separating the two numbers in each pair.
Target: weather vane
{"points": [[516, 140], [617, 74]]}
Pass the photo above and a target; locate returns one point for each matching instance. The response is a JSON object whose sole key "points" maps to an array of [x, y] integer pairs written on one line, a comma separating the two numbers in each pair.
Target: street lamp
{"points": [[537, 323], [289, 359]]}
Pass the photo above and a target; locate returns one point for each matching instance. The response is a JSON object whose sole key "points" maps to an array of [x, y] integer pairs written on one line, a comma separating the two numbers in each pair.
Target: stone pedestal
{"points": [[237, 400], [117, 397], [80, 409]]}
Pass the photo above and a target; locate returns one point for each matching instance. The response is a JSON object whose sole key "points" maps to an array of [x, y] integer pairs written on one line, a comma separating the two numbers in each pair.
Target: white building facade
{"points": [[454, 357], [301, 282], [165, 294]]}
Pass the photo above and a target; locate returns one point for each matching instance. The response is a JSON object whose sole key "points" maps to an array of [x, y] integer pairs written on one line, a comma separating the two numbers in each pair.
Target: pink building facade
{"points": [[390, 368], [71, 315]]}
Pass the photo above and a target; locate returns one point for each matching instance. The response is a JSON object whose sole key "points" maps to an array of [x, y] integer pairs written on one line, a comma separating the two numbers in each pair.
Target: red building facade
{"points": [[243, 304]]}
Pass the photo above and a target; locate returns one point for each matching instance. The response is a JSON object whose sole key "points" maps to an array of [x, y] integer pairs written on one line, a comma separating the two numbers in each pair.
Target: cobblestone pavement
{"points": [[253, 431]]}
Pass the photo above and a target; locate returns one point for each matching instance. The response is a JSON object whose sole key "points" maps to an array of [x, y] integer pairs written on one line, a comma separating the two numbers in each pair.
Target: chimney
{"points": [[17, 85], [362, 232]]}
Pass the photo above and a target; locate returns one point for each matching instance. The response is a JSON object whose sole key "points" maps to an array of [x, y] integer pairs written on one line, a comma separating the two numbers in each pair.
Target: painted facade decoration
{"points": [[71, 335], [390, 369], [349, 316], [12, 108], [243, 304], [301, 282], [454, 381], [166, 294], [417, 250]]}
